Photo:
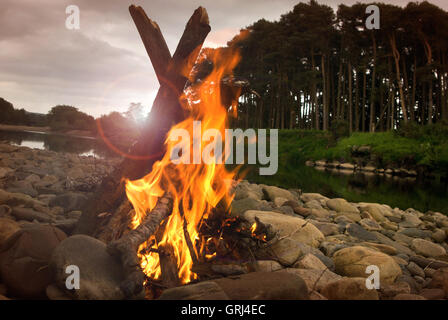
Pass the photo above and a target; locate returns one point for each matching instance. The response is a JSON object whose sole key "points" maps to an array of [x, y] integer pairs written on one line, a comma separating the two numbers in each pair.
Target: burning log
{"points": [[127, 246], [165, 112]]}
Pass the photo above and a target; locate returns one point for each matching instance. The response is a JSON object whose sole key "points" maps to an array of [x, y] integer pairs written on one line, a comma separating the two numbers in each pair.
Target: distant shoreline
{"points": [[47, 130]]}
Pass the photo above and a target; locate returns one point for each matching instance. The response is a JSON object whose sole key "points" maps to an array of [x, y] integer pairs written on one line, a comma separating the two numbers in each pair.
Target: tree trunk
{"points": [[324, 95], [350, 97], [364, 97], [396, 56], [372, 92]]}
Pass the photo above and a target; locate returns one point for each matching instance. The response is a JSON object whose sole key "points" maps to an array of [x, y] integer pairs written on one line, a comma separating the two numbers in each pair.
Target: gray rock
{"points": [[266, 266], [427, 248], [24, 187], [326, 228], [438, 235], [279, 285], [240, 206], [25, 257], [69, 201], [74, 215], [386, 240], [341, 205], [369, 225], [246, 190], [206, 290], [66, 225], [415, 233], [272, 192], [285, 210], [228, 269], [30, 215], [100, 273], [415, 270], [355, 230]]}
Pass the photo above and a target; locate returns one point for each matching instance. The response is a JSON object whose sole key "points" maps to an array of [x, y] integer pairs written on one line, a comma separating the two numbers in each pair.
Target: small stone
{"points": [[69, 201], [271, 192], [349, 289], [341, 205], [381, 247], [315, 279], [277, 285], [279, 201], [429, 272], [388, 225], [206, 290], [415, 233], [391, 290], [228, 269], [349, 216], [375, 212], [408, 296], [427, 248], [415, 270], [7, 228], [432, 293], [438, 235], [30, 215], [54, 293], [369, 225], [326, 228], [400, 261], [267, 266], [310, 261], [240, 206], [356, 231]]}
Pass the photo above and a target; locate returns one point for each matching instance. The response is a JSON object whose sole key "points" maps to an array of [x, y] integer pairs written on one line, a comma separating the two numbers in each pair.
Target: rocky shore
{"points": [[318, 248]]}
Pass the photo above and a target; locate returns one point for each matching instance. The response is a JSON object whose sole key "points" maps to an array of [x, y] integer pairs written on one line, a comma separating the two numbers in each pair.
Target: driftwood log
{"points": [[127, 246], [166, 111]]}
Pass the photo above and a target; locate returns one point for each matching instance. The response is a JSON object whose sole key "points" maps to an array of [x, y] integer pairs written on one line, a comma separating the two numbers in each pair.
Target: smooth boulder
{"points": [[353, 262], [100, 273], [25, 258]]}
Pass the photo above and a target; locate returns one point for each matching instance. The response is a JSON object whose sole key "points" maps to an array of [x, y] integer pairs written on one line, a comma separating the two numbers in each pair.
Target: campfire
{"points": [[179, 225]]}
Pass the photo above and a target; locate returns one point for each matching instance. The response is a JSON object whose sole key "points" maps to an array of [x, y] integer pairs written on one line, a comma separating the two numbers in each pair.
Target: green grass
{"points": [[428, 147]]}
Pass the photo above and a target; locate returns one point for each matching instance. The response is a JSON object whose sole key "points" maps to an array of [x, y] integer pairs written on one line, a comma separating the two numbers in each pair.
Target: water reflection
{"points": [[362, 187], [58, 143]]}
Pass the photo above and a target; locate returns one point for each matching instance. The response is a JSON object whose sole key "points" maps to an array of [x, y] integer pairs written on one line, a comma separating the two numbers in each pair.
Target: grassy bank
{"points": [[426, 146], [411, 147]]}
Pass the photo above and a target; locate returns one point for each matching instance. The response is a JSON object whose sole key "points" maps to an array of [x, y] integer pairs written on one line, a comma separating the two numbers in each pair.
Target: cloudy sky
{"points": [[103, 66]]}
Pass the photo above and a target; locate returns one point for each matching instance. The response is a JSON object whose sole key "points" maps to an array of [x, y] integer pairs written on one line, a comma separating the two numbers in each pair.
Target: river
{"points": [[396, 192]]}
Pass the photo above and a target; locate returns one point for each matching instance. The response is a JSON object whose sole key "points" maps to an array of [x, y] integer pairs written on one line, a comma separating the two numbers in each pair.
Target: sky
{"points": [[103, 66]]}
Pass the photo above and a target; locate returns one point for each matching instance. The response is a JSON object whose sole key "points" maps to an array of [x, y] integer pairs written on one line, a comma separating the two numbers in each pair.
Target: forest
{"points": [[319, 69]]}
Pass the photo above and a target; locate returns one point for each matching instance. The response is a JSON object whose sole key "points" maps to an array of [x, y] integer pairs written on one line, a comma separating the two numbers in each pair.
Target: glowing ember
{"points": [[196, 188]]}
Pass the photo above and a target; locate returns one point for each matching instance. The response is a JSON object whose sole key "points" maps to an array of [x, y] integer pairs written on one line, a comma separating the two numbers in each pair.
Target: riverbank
{"points": [[313, 240], [7, 127], [71, 133], [424, 150]]}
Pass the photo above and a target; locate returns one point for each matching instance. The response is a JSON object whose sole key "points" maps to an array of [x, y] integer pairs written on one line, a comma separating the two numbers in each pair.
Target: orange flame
{"points": [[196, 188]]}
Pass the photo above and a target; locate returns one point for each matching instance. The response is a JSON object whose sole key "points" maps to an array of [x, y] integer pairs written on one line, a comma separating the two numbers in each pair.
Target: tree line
{"points": [[317, 69]]}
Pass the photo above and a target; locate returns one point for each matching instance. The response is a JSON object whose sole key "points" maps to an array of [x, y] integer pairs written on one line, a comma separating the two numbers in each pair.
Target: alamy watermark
{"points": [[73, 280], [72, 22], [373, 20], [373, 281], [234, 153]]}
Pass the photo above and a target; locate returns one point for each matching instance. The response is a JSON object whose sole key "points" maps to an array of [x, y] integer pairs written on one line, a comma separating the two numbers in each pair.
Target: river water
{"points": [[396, 192], [59, 143]]}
